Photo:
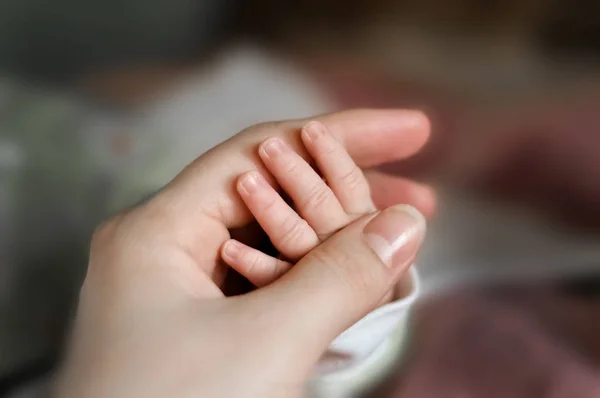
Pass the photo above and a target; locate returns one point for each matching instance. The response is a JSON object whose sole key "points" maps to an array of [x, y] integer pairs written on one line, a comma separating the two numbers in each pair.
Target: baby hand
{"points": [[322, 203]]}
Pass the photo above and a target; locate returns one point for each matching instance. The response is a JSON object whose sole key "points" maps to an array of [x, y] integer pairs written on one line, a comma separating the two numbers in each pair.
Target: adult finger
{"points": [[344, 278], [388, 190]]}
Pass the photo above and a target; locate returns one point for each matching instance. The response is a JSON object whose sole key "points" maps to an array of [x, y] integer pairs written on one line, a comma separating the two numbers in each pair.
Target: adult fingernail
{"points": [[395, 235]]}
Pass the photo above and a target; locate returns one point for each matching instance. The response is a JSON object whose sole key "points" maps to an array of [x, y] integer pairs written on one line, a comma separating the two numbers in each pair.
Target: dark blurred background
{"points": [[102, 102]]}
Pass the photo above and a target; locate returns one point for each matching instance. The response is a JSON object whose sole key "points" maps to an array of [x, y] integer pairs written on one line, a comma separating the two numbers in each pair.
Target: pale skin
{"points": [[325, 198], [153, 319], [322, 204]]}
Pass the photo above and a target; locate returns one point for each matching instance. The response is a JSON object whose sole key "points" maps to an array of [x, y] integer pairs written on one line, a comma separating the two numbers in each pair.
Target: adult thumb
{"points": [[344, 278]]}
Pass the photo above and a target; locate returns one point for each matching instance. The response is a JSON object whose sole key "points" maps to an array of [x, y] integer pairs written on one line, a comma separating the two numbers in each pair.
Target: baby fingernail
{"points": [[313, 130], [251, 182], [232, 249], [395, 235], [273, 147]]}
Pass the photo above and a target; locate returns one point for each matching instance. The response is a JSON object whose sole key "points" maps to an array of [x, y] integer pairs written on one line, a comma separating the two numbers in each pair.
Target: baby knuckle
{"points": [[252, 260], [290, 167], [275, 271], [317, 197], [353, 179], [270, 205], [330, 149], [293, 229]]}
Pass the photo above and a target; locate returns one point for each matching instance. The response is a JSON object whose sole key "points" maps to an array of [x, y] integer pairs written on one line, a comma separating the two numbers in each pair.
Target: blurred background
{"points": [[103, 102]]}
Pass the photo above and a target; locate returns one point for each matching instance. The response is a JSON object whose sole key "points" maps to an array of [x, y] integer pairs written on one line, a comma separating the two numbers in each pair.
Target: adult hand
{"points": [[153, 319]]}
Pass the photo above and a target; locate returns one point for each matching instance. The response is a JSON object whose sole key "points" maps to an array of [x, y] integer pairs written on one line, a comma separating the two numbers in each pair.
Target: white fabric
{"points": [[368, 346]]}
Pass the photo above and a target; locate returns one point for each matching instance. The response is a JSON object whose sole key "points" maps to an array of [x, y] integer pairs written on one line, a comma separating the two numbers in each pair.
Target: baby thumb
{"points": [[345, 277]]}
